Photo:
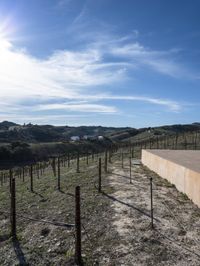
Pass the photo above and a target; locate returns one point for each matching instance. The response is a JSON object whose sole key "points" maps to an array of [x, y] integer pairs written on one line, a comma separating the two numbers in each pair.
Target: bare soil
{"points": [[175, 239]]}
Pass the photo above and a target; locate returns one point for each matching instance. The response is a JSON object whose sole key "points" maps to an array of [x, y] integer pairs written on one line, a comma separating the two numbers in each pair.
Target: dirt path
{"points": [[176, 237]]}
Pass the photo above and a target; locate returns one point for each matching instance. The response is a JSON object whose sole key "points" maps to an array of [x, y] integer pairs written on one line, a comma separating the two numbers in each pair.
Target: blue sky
{"points": [[103, 62]]}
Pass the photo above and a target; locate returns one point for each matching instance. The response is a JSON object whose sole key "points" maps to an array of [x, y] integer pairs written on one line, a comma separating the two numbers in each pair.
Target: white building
{"points": [[75, 138], [14, 128]]}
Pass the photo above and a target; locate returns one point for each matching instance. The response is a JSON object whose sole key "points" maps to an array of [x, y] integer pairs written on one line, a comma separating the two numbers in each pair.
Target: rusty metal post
{"points": [[58, 173], [77, 169], [31, 178], [130, 169], [13, 209], [122, 160], [78, 258], [99, 174], [151, 191], [10, 178], [106, 162]]}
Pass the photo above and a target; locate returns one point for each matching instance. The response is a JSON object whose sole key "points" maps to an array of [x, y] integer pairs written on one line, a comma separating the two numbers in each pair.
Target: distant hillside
{"points": [[168, 130], [30, 143], [6, 124], [11, 132]]}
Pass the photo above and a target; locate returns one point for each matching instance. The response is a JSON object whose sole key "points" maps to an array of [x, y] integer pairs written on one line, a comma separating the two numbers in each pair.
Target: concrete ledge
{"points": [[179, 167]]}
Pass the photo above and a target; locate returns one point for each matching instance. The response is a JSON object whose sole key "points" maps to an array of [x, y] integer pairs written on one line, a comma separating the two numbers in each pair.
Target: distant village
{"points": [[19, 127], [86, 137]]}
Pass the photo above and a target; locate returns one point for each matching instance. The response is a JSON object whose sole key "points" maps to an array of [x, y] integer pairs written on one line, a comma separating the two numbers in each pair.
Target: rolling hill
{"points": [[11, 132]]}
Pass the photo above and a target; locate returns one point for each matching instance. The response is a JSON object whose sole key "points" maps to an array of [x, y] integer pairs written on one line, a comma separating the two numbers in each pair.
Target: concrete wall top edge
{"points": [[187, 158]]}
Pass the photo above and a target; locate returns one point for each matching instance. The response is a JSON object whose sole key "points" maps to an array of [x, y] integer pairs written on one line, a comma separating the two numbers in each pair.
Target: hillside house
{"points": [[15, 128], [75, 138]]}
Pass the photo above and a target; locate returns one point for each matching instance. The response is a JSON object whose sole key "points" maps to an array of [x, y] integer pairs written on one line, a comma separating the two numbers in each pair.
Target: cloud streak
{"points": [[78, 75], [90, 108]]}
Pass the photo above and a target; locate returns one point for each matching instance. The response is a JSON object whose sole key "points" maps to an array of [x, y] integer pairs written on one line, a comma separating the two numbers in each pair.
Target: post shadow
{"points": [[130, 206], [19, 253]]}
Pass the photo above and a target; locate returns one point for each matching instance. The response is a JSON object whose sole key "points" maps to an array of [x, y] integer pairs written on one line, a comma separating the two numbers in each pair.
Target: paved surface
{"points": [[188, 158]]}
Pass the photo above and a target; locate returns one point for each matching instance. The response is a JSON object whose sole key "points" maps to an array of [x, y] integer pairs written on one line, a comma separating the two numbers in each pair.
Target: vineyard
{"points": [[178, 141], [116, 213]]}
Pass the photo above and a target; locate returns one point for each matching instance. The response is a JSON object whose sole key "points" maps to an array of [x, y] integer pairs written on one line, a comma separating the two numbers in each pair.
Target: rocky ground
{"points": [[116, 224], [175, 239]]}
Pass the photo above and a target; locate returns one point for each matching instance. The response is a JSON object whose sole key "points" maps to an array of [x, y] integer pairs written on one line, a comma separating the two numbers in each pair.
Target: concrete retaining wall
{"points": [[186, 180]]}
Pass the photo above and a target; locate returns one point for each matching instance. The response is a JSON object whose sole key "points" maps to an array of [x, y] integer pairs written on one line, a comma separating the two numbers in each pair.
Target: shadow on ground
{"points": [[19, 253]]}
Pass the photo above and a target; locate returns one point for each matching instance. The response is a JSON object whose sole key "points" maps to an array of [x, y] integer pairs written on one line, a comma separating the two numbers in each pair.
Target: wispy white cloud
{"points": [[80, 18], [63, 73], [85, 107], [159, 61], [172, 105], [77, 76], [45, 118]]}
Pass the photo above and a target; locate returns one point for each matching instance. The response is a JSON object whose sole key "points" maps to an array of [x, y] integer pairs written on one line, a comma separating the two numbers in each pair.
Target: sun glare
{"points": [[4, 44], [7, 30]]}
